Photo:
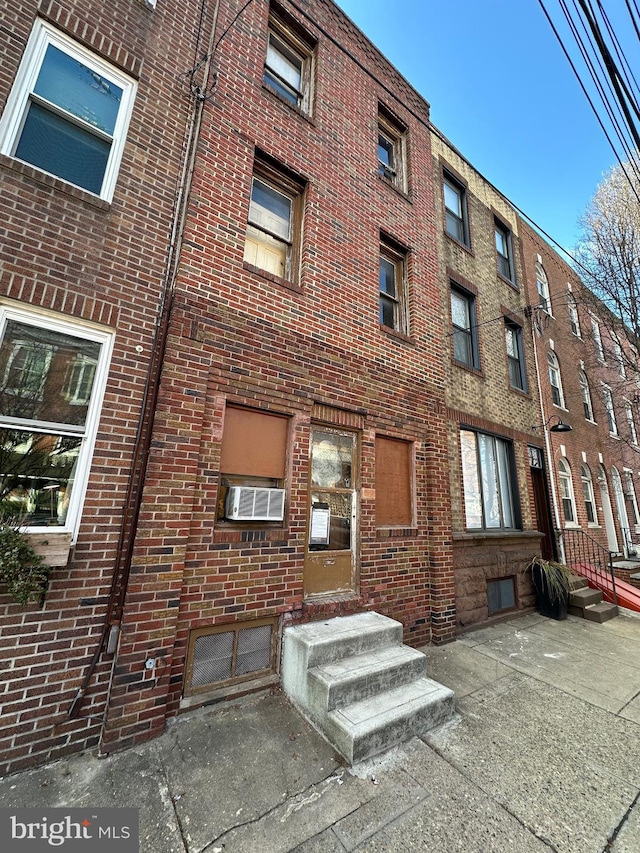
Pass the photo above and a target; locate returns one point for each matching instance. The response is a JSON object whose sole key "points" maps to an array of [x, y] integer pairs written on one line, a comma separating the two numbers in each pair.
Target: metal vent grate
{"points": [[212, 658], [254, 649], [230, 653]]}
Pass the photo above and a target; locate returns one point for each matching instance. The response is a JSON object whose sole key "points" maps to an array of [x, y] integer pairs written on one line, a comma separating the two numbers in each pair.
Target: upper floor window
{"points": [[504, 251], [611, 414], [542, 285], [489, 481], [455, 209], [273, 235], [515, 355], [391, 150], [68, 112], [631, 423], [392, 280], [597, 339], [555, 379], [288, 65], [465, 329], [618, 355], [586, 395], [574, 319], [589, 497], [630, 494], [53, 374], [566, 493]]}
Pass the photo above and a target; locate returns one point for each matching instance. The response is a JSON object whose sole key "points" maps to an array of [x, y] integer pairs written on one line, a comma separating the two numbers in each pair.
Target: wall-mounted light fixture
{"points": [[559, 426]]}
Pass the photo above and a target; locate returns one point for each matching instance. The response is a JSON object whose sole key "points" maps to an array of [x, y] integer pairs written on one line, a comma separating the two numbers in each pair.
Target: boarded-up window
{"points": [[254, 444], [394, 505]]}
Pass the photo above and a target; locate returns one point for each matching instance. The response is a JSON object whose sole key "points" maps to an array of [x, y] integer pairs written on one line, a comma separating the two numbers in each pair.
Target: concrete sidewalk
{"points": [[543, 756]]}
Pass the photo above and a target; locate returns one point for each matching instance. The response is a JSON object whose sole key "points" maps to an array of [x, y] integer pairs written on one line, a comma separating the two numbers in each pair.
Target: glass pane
{"points": [[270, 209], [280, 88], [387, 277], [340, 505], [490, 488], [460, 313], [46, 375], [284, 63], [79, 90], [471, 483], [37, 472], [504, 476], [385, 155], [455, 226], [60, 147], [512, 342], [501, 243], [387, 312], [500, 595], [453, 201], [331, 460], [212, 658], [462, 347]]}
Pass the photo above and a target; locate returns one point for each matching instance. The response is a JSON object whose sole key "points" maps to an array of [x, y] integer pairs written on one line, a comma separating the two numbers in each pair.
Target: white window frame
{"points": [[589, 495], [630, 492], [597, 339], [567, 495], [618, 355], [631, 422], [555, 378], [586, 396], [393, 137], [542, 285], [88, 434], [610, 410], [12, 122], [574, 317], [489, 491]]}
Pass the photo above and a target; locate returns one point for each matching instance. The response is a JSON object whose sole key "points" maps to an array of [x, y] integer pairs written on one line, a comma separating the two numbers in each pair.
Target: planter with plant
{"points": [[552, 582], [22, 570]]}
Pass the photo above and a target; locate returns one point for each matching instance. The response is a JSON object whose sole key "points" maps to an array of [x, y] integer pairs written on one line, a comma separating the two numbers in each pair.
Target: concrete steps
{"points": [[359, 685], [588, 604]]}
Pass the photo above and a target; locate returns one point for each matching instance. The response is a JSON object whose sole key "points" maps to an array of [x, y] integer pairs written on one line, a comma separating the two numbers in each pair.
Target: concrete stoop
{"points": [[355, 681], [588, 604]]}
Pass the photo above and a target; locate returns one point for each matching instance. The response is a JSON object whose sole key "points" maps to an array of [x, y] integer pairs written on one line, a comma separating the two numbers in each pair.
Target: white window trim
{"points": [[610, 410], [43, 35], [85, 457]]}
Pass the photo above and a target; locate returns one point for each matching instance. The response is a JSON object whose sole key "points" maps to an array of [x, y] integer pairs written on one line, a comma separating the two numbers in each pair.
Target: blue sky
{"points": [[502, 91]]}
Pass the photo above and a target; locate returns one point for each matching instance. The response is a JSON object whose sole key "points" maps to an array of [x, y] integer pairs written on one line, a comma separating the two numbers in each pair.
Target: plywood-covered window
{"points": [[394, 482], [254, 444], [254, 452]]}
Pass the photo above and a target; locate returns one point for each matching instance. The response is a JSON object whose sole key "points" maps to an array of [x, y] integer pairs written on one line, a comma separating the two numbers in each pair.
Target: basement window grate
{"points": [[228, 654]]}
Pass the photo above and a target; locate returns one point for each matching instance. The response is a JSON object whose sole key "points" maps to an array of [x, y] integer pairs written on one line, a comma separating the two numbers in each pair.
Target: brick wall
{"points": [[590, 442], [312, 350], [69, 253], [483, 398]]}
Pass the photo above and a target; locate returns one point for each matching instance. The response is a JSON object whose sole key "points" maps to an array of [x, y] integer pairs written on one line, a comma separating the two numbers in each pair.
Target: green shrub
{"points": [[21, 569]]}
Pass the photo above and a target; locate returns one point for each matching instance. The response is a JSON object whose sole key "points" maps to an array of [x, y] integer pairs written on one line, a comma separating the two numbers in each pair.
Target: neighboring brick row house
{"points": [[589, 379], [266, 356]]}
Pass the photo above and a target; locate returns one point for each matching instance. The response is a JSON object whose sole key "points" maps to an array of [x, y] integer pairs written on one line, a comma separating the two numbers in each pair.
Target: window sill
{"points": [[614, 435], [294, 109], [54, 548], [477, 371], [47, 180], [400, 336], [520, 391], [389, 183], [457, 242], [276, 279], [396, 532], [242, 535], [508, 281]]}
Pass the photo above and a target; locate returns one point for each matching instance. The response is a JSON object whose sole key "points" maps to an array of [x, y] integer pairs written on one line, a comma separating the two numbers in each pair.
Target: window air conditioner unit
{"points": [[252, 504]]}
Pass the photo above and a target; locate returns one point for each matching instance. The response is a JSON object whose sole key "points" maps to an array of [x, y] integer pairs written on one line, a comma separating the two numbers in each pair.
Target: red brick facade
{"points": [[70, 255], [310, 347], [592, 451]]}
